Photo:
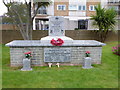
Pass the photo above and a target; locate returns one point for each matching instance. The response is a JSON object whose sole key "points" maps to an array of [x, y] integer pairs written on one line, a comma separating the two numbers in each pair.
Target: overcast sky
{"points": [[3, 9]]}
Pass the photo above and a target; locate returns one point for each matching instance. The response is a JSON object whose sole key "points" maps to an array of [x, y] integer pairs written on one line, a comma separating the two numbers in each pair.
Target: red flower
{"points": [[57, 42], [27, 53], [87, 52]]}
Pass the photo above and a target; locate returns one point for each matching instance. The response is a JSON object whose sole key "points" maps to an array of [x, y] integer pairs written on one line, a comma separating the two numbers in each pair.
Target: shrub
{"points": [[116, 50]]}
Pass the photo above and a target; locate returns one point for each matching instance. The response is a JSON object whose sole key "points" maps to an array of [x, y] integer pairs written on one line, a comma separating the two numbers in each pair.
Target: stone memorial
{"points": [[55, 48], [56, 30]]}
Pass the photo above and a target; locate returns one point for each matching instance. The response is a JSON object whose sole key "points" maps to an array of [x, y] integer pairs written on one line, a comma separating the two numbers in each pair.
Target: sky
{"points": [[3, 9]]}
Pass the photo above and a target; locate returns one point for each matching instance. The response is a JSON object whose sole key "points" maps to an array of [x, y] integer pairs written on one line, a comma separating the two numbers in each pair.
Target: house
{"points": [[76, 13], [116, 5]]}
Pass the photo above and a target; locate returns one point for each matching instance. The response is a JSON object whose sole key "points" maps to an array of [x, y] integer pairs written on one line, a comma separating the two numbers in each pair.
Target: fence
{"points": [[10, 35]]}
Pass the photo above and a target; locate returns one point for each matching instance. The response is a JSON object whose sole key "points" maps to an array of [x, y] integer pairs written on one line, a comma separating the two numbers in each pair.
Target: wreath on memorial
{"points": [[28, 55], [87, 53], [57, 42]]}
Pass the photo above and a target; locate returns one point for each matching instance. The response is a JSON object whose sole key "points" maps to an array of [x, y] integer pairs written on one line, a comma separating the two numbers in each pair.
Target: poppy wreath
{"points": [[28, 54], [57, 42]]}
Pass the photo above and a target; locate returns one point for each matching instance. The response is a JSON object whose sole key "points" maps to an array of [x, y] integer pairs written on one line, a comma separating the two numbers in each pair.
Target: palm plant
{"points": [[104, 20]]}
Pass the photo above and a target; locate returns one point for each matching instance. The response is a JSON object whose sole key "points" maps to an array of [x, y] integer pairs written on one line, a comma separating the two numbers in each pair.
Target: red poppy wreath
{"points": [[57, 42]]}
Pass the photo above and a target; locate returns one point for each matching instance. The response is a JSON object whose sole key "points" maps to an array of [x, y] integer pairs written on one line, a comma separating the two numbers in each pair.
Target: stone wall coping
{"points": [[32, 43]]}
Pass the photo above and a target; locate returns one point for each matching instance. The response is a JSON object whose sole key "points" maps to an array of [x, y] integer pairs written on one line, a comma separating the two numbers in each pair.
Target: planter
{"points": [[26, 65], [87, 63]]}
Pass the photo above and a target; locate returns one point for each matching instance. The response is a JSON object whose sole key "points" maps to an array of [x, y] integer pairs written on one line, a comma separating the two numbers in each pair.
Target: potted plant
{"points": [[27, 62]]}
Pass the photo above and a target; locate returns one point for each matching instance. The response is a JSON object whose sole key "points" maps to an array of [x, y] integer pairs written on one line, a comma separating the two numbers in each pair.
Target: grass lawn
{"points": [[104, 75]]}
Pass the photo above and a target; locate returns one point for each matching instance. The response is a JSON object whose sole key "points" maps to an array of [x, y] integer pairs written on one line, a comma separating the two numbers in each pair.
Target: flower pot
{"points": [[87, 63], [26, 65]]}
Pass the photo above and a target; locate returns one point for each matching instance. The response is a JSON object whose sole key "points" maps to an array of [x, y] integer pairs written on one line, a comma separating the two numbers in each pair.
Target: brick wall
{"points": [[88, 12], [61, 12]]}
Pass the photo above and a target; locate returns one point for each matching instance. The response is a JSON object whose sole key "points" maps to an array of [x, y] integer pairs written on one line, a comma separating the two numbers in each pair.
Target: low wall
{"points": [[9, 27], [76, 58], [10, 35]]}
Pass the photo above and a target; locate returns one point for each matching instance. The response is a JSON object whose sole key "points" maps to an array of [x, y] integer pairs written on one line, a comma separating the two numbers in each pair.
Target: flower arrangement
{"points": [[28, 54], [57, 42], [87, 53], [116, 50]]}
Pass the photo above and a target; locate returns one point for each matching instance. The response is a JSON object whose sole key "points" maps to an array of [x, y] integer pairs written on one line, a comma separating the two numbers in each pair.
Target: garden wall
{"points": [[10, 35], [9, 27]]}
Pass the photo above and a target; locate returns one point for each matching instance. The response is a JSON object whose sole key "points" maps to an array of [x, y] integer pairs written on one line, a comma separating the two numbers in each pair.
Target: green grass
{"points": [[104, 75]]}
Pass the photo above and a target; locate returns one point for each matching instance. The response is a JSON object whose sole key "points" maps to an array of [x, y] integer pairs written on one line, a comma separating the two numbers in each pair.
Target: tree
{"points": [[104, 20], [20, 13]]}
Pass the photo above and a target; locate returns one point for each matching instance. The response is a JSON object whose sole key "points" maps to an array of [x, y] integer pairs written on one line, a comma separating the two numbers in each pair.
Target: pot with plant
{"points": [[87, 60], [27, 62]]}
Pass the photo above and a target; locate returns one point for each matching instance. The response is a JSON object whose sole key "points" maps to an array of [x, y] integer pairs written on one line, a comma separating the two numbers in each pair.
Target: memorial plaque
{"points": [[56, 27], [57, 54]]}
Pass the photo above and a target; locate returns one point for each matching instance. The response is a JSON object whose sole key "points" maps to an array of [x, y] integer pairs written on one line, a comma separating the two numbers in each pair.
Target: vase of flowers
{"points": [[87, 53], [28, 55], [87, 60]]}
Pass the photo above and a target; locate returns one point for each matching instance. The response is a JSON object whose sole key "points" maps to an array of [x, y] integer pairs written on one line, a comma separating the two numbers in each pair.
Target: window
{"points": [[42, 10], [72, 7], [115, 7], [113, 1], [82, 7], [92, 7], [61, 7]]}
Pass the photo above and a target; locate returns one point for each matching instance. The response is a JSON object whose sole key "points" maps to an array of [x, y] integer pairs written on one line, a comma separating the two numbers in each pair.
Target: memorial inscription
{"points": [[56, 26], [57, 54]]}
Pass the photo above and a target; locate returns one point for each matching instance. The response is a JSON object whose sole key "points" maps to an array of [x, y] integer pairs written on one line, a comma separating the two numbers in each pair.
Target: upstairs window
{"points": [[61, 7], [113, 1], [72, 7], [42, 10], [82, 7], [92, 7]]}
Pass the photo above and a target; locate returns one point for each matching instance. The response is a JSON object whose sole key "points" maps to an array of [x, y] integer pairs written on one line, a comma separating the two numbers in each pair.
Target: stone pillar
{"points": [[39, 24], [87, 63], [34, 26], [43, 25], [26, 65]]}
